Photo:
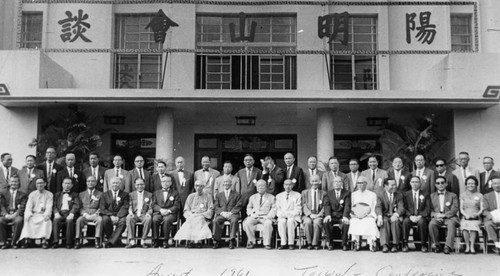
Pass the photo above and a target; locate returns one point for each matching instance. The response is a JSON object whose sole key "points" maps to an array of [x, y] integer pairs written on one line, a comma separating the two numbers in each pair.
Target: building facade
{"points": [[223, 78]]}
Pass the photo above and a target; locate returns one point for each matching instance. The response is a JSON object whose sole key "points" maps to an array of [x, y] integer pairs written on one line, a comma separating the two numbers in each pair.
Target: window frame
{"points": [[470, 45], [24, 30]]}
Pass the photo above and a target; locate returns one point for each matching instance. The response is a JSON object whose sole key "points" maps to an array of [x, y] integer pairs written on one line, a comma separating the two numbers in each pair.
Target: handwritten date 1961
{"points": [[235, 272]]}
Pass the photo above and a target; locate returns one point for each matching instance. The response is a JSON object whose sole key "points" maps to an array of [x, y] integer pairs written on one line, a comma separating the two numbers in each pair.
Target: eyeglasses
{"points": [[439, 165], [440, 183]]}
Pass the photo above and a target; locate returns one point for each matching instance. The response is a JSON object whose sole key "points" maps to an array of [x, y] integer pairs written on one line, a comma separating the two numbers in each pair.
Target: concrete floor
{"points": [[240, 262]]}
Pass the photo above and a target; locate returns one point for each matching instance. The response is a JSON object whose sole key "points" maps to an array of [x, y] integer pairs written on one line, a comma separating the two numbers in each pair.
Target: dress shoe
{"points": [[283, 247], [496, 250], [165, 245], [356, 246], [232, 244], [98, 243], [250, 245], [69, 246], [373, 247], [385, 249], [424, 249], [156, 244], [330, 247], [344, 247], [128, 246], [316, 247], [198, 245], [309, 247], [446, 250], [268, 247], [190, 245], [216, 245], [77, 244], [144, 245], [14, 245], [5, 246], [45, 245], [107, 245], [291, 247], [473, 252], [405, 247], [435, 248], [394, 249], [55, 245]]}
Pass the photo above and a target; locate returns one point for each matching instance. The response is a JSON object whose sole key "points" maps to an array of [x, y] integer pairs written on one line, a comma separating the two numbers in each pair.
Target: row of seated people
{"points": [[358, 214]]}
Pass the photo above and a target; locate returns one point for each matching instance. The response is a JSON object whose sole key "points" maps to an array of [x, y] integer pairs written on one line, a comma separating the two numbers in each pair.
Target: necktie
{"points": [[49, 172], [390, 198], [288, 173], [337, 195], [29, 173], [441, 202], [373, 176], [314, 201], [8, 175], [465, 174], [260, 202], [140, 172], [71, 172], [287, 196], [248, 176], [415, 201], [13, 199], [116, 173], [227, 195], [486, 177], [93, 173]]}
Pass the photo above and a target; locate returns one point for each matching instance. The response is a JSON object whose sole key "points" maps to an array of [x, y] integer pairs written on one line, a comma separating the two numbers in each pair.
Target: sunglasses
{"points": [[439, 165]]}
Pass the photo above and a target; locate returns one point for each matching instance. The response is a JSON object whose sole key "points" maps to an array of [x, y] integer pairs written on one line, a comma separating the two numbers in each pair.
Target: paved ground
{"points": [[240, 262]]}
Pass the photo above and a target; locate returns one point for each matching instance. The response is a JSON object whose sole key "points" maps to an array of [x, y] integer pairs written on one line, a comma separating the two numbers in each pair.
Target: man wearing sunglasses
{"points": [[451, 179]]}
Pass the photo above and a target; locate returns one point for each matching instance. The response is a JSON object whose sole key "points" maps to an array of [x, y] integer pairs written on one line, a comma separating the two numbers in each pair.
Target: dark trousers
{"points": [[451, 225], [390, 229], [107, 224], [330, 230], [167, 225], [219, 226], [422, 233], [64, 223], [17, 227]]}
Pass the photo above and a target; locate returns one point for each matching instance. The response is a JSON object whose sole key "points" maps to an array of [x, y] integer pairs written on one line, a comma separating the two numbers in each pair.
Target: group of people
{"points": [[381, 206]]}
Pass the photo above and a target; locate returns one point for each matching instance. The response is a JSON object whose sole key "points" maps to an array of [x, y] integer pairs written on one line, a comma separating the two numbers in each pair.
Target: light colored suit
{"points": [[90, 205], [489, 204], [123, 175], [327, 181], [134, 174], [207, 180], [219, 181], [427, 180], [184, 187], [100, 176], [134, 217], [312, 228], [376, 186], [288, 210], [352, 179], [307, 176], [260, 213], [459, 172], [28, 182], [4, 182], [450, 220]]}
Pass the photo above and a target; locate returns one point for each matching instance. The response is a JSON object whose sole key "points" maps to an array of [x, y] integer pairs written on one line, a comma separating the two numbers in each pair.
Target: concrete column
{"points": [[165, 135], [325, 133], [489, 26]]}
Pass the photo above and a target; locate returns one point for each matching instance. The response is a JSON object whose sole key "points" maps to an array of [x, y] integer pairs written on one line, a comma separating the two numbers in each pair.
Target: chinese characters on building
{"points": [[74, 27], [332, 24], [426, 30], [160, 25]]}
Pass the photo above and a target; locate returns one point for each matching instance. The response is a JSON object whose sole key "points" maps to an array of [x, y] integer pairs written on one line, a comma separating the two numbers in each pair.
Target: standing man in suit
{"points": [[226, 173], [166, 205], [95, 170], [444, 208], [117, 171], [15, 204], [312, 169], [375, 176], [184, 183], [273, 174], [90, 212], [328, 177], [207, 176], [50, 169], [140, 210], [28, 175], [485, 178], [139, 172], [6, 171], [288, 210], [451, 179], [426, 175], [418, 207], [464, 170], [294, 173], [392, 213], [491, 202], [337, 206], [401, 176], [66, 208], [261, 209], [353, 174], [72, 173], [156, 179], [248, 179], [114, 209], [227, 207], [313, 212]]}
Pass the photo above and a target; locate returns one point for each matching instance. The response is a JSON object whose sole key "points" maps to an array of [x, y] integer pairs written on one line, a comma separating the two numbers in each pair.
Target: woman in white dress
{"points": [[198, 211], [365, 213], [37, 223]]}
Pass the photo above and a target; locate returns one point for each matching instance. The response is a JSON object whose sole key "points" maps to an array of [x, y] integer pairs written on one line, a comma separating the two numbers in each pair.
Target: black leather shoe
{"points": [[436, 249], [356, 246], [98, 243], [144, 245], [496, 250], [405, 247], [231, 244], [156, 244], [283, 247], [424, 249], [344, 247], [385, 249], [330, 247], [216, 245], [291, 247], [55, 245], [77, 244], [128, 246], [394, 249], [165, 245], [446, 250], [268, 247], [250, 245], [45, 245], [5, 246], [309, 247], [316, 247], [107, 245]]}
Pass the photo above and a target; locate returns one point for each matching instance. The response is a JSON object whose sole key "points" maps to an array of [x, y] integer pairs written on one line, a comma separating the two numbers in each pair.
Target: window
{"points": [[356, 71], [461, 32], [31, 30], [273, 32], [140, 69]]}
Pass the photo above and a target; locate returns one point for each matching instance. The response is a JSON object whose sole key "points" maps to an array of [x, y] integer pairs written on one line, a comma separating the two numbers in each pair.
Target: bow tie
{"points": [[139, 192], [205, 170], [166, 190], [180, 170], [65, 193], [440, 193]]}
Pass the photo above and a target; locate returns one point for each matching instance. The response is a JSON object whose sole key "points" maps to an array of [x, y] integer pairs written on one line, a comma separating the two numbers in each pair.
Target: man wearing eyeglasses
{"points": [[451, 179], [444, 208], [486, 177]]}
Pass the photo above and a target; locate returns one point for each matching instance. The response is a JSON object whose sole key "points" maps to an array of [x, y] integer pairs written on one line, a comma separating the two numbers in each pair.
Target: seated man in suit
{"points": [[273, 174], [444, 208], [166, 205], [261, 209], [226, 173], [95, 170], [114, 210], [140, 210], [227, 207], [392, 213], [337, 206], [491, 213], [375, 176], [417, 206], [288, 210], [328, 177], [15, 204], [294, 173], [37, 223], [248, 179], [66, 208], [313, 212], [28, 175], [89, 212]]}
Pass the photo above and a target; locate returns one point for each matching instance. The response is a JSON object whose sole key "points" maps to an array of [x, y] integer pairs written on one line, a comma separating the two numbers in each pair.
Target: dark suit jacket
{"points": [[484, 186], [337, 208], [232, 204], [307, 177], [27, 182], [307, 202], [185, 190], [350, 180], [74, 204], [247, 186], [427, 181], [450, 205], [3, 181], [52, 184], [451, 180], [111, 208], [403, 182], [424, 204], [155, 182], [277, 176], [133, 174], [146, 204], [327, 181], [89, 205], [396, 207], [79, 184], [172, 203], [297, 174], [21, 200], [489, 204], [100, 174]]}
